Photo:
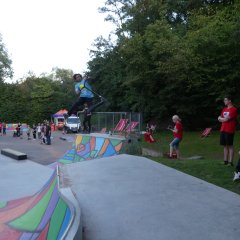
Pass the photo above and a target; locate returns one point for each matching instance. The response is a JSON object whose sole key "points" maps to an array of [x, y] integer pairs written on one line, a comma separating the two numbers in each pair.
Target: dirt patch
{"points": [[151, 152]]}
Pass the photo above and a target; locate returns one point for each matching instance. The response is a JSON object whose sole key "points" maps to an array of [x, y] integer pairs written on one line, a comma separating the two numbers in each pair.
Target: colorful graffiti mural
{"points": [[42, 216], [90, 147]]}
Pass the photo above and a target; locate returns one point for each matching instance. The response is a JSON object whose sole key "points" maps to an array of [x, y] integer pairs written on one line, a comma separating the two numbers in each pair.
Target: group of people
{"points": [[228, 120], [42, 132]]}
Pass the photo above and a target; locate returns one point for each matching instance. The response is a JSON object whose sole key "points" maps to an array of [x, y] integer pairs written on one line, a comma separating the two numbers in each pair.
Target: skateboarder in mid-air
{"points": [[86, 95]]}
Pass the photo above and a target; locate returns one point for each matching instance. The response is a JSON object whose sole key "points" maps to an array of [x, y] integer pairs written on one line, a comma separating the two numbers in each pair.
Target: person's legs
{"points": [[223, 142], [94, 106], [84, 124], [177, 151], [89, 123], [77, 104], [171, 148], [48, 140], [225, 154], [230, 154], [229, 143], [175, 145]]}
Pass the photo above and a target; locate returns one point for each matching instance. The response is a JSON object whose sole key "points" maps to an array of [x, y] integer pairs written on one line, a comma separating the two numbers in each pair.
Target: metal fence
{"points": [[109, 120]]}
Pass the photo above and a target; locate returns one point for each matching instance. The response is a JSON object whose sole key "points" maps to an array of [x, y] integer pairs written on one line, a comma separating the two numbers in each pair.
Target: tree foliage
{"points": [[174, 57], [166, 57], [5, 62], [36, 98]]}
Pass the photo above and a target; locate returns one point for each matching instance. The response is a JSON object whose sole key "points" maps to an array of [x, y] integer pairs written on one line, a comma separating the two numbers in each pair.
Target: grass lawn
{"points": [[210, 168]]}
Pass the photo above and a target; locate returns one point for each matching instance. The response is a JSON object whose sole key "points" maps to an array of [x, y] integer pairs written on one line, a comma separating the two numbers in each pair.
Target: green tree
{"points": [[5, 62]]}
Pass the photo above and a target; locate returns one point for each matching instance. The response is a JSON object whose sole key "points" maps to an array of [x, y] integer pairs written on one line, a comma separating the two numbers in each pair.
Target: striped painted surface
{"points": [[89, 147], [41, 216]]}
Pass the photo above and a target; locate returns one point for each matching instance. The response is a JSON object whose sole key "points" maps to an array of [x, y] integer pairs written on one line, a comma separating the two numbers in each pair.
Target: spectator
{"points": [[28, 132], [177, 134], [0, 129], [34, 131], [18, 129], [42, 133], [4, 127], [48, 134], [228, 120], [21, 130], [39, 131], [148, 135]]}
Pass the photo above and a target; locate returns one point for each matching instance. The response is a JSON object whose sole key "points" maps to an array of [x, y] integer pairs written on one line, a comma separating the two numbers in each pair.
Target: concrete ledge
{"points": [[14, 154], [75, 228]]}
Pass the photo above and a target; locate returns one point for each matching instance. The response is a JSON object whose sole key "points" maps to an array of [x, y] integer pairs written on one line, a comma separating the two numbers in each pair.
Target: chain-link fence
{"points": [[109, 120]]}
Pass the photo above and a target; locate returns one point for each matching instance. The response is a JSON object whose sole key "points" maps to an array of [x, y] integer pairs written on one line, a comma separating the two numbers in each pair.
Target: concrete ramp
{"points": [[48, 214], [127, 197], [53, 212]]}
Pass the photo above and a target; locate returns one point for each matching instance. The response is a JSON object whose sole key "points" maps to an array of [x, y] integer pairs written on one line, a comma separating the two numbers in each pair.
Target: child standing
{"points": [[177, 134]]}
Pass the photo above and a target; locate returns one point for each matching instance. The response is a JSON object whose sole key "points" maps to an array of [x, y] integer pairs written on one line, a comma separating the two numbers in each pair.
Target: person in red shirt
{"points": [[228, 120], [177, 134]]}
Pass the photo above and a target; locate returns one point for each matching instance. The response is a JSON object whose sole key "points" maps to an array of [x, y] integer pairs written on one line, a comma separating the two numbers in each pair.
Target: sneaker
{"points": [[225, 163], [236, 176]]}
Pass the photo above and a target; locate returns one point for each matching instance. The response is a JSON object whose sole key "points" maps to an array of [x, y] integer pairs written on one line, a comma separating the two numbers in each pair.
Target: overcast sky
{"points": [[42, 34]]}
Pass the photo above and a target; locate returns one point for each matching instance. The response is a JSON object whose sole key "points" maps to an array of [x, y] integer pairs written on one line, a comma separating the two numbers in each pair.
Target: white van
{"points": [[73, 124]]}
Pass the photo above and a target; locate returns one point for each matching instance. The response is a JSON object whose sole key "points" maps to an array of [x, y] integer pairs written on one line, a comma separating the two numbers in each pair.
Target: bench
{"points": [[13, 154]]}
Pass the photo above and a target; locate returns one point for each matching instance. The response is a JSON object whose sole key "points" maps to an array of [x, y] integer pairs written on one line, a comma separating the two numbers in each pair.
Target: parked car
{"points": [[73, 124]]}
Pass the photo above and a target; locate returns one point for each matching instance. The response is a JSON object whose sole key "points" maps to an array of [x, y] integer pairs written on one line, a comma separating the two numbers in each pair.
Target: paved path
{"points": [[26, 177], [21, 178], [36, 152]]}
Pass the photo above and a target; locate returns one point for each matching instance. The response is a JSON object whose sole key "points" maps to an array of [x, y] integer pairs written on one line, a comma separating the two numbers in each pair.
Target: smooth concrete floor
{"points": [[21, 178], [133, 198]]}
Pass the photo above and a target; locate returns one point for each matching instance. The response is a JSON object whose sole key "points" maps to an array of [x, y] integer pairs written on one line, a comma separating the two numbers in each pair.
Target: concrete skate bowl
{"points": [[48, 214], [89, 147]]}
